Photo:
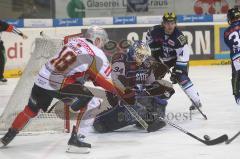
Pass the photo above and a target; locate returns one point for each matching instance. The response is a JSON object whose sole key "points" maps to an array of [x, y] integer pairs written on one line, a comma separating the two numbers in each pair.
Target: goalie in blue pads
{"points": [[135, 71]]}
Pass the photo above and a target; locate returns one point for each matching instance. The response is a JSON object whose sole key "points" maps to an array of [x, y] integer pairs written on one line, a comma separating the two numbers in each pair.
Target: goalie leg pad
{"points": [[113, 119], [155, 108]]}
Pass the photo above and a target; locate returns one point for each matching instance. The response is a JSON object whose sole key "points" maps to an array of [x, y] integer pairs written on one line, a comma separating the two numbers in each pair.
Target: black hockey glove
{"points": [[175, 75]]}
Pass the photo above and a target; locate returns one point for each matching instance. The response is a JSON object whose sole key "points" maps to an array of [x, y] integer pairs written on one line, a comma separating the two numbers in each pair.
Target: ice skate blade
{"points": [[2, 145], [75, 149]]}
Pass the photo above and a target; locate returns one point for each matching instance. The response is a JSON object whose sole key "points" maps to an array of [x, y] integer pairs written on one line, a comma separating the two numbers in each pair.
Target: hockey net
{"points": [[44, 122]]}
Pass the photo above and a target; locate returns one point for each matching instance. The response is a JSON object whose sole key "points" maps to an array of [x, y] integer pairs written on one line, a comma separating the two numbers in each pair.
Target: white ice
{"points": [[214, 85]]}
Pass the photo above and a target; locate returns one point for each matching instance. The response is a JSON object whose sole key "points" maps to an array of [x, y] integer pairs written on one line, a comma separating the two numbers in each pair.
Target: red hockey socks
{"points": [[22, 118]]}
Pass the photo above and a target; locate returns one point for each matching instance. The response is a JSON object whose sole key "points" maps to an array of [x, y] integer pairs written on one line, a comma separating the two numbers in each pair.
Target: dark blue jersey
{"points": [[164, 46], [232, 40], [123, 65]]}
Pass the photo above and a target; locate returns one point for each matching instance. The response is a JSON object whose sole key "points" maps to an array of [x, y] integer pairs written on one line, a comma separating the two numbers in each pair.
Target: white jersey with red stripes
{"points": [[77, 59]]}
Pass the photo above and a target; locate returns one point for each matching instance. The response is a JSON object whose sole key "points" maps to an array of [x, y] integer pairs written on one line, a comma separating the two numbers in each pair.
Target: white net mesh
{"points": [[44, 49]]}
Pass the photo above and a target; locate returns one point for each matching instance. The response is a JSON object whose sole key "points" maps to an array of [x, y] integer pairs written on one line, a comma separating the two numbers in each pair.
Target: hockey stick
{"points": [[206, 140], [52, 107], [168, 69], [136, 116], [64, 100], [79, 117], [231, 139]]}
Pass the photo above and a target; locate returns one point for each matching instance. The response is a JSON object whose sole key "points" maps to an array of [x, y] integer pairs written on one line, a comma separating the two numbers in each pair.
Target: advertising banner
{"points": [[16, 22], [221, 49], [38, 23], [125, 20], [98, 21], [194, 18], [200, 38], [67, 22], [109, 8]]}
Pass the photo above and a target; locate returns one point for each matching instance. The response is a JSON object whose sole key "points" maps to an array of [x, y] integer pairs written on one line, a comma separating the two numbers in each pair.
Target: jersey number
{"points": [[236, 38], [117, 69], [65, 59]]}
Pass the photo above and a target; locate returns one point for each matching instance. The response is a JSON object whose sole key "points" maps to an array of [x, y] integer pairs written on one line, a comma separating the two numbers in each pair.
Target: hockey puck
{"points": [[206, 137]]}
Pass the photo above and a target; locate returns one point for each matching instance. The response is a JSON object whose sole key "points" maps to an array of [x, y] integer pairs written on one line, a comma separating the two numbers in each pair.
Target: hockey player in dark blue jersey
{"points": [[232, 39], [169, 46], [134, 71]]}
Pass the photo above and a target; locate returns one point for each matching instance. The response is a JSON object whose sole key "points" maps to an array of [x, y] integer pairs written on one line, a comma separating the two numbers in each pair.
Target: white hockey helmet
{"points": [[95, 32]]}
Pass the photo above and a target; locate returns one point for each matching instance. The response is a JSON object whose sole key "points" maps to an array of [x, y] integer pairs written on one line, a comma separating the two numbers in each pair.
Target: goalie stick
{"points": [[231, 139], [136, 116], [168, 69]]}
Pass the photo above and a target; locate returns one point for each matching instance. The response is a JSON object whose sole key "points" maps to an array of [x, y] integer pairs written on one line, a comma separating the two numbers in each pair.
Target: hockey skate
{"points": [[8, 137], [76, 144], [3, 81]]}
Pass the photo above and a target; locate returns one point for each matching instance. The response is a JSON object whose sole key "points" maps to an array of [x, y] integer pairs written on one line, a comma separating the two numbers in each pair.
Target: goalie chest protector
{"points": [[137, 74]]}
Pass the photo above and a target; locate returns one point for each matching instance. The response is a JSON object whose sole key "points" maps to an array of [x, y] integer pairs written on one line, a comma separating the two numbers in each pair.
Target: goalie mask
{"points": [[95, 32], [140, 51]]}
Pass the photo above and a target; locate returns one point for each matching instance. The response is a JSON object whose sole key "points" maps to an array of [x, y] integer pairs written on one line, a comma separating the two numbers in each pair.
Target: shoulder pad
{"points": [[182, 39]]}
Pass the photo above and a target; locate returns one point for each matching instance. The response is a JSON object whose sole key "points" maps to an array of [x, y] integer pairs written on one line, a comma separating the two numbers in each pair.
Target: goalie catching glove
{"points": [[161, 88]]}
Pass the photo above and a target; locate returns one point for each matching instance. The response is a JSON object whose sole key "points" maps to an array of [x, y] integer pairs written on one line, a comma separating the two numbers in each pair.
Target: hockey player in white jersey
{"points": [[79, 58]]}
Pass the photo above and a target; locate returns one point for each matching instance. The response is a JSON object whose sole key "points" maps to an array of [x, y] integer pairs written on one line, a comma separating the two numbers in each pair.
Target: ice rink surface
{"points": [[214, 85]]}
